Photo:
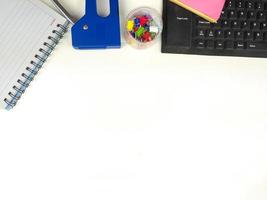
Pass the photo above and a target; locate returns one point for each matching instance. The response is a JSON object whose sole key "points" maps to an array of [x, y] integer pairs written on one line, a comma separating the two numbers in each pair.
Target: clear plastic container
{"points": [[143, 27]]}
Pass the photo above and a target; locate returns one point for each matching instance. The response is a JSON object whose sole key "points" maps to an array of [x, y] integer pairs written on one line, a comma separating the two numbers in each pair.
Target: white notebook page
{"points": [[24, 27]]}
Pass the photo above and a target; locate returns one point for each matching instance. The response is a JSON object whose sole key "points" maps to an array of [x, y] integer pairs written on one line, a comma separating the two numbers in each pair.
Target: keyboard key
{"points": [[250, 5], [201, 33], [245, 25], [261, 16], [219, 45], [255, 25], [240, 4], [240, 45], [258, 36], [230, 4], [257, 46], [259, 6], [252, 15], [210, 44], [225, 23], [239, 35], [200, 44], [229, 34], [232, 14], [210, 34], [236, 24], [242, 15], [229, 45], [264, 26], [249, 35], [219, 34]]}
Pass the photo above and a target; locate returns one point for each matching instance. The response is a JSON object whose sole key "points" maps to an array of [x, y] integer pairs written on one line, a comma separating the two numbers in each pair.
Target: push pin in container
{"points": [[143, 27]]}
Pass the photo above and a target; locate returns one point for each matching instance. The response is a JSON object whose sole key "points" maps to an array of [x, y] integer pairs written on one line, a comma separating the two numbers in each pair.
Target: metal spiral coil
{"points": [[31, 71]]}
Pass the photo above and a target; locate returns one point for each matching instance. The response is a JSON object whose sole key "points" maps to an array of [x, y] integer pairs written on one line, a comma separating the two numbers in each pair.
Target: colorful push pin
{"points": [[153, 35], [137, 22], [140, 31], [143, 21], [130, 25], [147, 36], [135, 29], [153, 29]]}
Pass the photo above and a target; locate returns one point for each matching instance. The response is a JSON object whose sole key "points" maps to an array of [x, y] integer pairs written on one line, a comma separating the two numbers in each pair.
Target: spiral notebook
{"points": [[29, 32]]}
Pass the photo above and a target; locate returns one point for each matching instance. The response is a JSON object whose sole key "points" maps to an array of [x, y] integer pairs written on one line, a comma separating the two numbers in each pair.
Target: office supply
{"points": [[241, 30], [143, 27], [29, 32], [208, 9], [95, 32]]}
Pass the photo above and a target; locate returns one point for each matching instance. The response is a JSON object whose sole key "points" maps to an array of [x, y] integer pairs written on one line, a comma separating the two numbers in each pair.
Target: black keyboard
{"points": [[241, 30]]}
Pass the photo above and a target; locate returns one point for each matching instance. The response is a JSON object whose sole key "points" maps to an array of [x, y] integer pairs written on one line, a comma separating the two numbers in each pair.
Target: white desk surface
{"points": [[137, 125]]}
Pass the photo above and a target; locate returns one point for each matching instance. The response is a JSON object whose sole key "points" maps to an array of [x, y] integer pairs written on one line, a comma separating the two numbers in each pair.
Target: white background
{"points": [[137, 125]]}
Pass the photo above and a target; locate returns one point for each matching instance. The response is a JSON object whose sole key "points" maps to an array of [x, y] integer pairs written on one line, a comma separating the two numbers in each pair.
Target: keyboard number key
{"points": [[239, 35], [255, 25], [236, 25], [259, 6], [229, 34], [264, 26], [245, 25], [240, 4], [250, 5], [252, 15], [261, 16], [241, 15], [258, 36], [232, 14], [219, 34], [225, 24], [230, 4], [249, 35]]}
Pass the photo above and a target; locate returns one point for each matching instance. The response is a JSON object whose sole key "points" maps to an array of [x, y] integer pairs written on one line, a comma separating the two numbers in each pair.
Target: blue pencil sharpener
{"points": [[95, 32]]}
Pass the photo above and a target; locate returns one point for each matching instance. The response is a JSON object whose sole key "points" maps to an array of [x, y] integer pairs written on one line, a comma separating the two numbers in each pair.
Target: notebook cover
{"points": [[208, 9]]}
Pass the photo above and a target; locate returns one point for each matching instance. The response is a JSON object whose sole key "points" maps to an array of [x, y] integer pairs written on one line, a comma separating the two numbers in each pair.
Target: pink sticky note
{"points": [[210, 8]]}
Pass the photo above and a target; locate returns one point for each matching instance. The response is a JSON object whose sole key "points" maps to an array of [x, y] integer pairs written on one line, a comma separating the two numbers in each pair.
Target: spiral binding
{"points": [[32, 70]]}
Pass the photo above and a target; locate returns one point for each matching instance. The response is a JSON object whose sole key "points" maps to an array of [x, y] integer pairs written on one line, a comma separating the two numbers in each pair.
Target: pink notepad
{"points": [[208, 9]]}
